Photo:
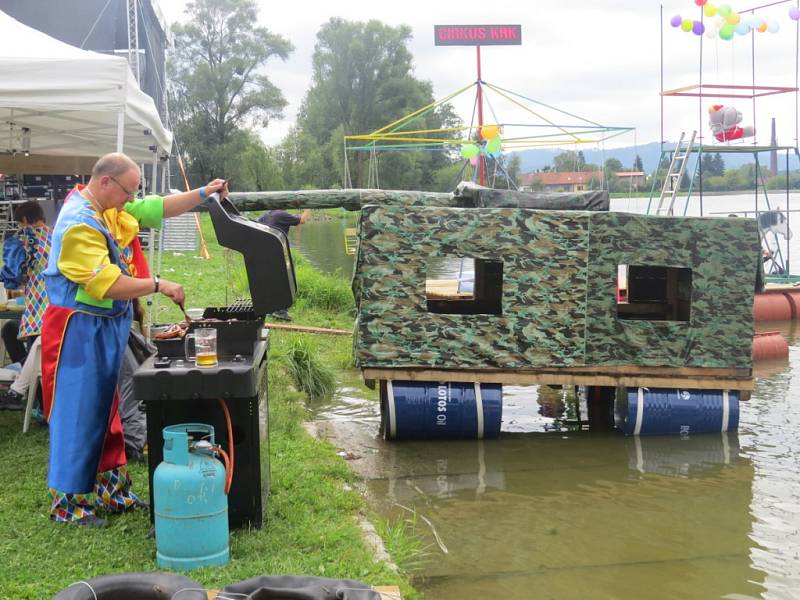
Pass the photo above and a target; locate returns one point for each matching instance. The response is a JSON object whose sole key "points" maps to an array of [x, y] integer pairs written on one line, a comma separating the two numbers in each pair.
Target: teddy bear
{"points": [[724, 122]]}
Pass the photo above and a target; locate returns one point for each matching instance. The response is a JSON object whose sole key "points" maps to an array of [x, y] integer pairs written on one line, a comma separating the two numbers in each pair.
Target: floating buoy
{"points": [[770, 344], [643, 411], [794, 301], [436, 410], [773, 306]]}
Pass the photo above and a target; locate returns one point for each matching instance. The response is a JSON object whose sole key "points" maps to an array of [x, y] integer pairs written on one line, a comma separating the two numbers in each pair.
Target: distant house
{"points": [[560, 181], [633, 179]]}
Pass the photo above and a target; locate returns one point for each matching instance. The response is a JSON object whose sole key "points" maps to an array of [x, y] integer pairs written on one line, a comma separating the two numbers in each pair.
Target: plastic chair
{"points": [[35, 354]]}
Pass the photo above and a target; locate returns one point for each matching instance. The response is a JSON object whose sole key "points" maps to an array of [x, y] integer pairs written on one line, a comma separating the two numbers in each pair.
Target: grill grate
{"points": [[240, 305]]}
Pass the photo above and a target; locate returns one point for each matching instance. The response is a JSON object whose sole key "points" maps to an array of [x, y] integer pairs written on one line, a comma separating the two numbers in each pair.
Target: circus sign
{"points": [[478, 35]]}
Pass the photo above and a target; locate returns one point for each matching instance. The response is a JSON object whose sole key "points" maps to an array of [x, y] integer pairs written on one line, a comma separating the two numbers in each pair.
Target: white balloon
{"points": [[711, 31], [773, 27]]}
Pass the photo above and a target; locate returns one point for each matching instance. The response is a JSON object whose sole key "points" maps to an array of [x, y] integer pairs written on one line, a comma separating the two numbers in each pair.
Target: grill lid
{"points": [[270, 271]]}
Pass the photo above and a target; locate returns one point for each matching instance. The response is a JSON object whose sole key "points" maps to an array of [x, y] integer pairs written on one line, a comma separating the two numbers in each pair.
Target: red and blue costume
{"points": [[84, 335]]}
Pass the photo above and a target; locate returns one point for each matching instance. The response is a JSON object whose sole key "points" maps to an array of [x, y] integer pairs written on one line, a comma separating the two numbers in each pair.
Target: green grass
{"points": [[309, 373], [311, 526]]}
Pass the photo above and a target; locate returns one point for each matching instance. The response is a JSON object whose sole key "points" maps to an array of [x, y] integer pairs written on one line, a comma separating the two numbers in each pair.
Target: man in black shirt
{"points": [[283, 220], [280, 219]]}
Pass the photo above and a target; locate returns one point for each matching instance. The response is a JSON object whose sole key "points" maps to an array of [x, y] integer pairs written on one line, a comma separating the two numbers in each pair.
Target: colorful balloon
{"points": [[700, 2], [724, 10], [743, 29], [473, 161], [687, 25], [763, 27], [489, 131], [733, 18], [469, 150], [676, 21], [698, 28], [773, 27], [794, 13], [726, 32], [493, 145], [709, 10]]}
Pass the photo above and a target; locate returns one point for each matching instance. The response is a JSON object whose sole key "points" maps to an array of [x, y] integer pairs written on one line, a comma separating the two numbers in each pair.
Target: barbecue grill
{"points": [[175, 390]]}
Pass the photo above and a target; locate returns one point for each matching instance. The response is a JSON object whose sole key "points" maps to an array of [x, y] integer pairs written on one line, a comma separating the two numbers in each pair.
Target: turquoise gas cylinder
{"points": [[191, 508]]}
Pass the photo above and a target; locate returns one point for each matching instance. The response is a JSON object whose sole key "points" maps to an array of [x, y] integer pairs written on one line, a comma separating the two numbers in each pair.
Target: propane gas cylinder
{"points": [[191, 508]]}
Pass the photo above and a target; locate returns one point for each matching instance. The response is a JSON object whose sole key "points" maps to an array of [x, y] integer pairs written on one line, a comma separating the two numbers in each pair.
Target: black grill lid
{"points": [[270, 271]]}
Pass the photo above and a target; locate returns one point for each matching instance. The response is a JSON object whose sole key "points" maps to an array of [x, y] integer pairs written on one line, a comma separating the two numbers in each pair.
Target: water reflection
{"points": [[578, 516]]}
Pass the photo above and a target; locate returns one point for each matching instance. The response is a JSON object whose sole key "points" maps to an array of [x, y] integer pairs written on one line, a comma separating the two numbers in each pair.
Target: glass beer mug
{"points": [[205, 347]]}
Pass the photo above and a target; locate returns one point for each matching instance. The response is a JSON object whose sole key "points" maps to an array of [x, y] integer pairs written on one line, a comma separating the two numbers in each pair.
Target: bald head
{"points": [[113, 164], [115, 181]]}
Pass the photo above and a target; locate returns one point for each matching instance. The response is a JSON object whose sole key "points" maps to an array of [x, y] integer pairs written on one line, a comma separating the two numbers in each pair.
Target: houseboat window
{"points": [[653, 293], [464, 286]]}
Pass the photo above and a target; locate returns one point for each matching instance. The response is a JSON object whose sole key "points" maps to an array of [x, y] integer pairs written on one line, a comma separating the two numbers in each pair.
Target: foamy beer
{"points": [[205, 347]]}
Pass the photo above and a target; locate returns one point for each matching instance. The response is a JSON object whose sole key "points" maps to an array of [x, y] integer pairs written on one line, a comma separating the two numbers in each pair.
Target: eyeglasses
{"points": [[131, 195]]}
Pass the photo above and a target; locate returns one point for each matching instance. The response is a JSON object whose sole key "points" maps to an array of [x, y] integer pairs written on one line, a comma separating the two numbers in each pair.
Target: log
{"points": [[352, 199]]}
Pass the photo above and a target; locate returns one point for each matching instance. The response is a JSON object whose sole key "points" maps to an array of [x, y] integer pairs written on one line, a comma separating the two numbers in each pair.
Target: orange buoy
{"points": [[769, 344], [794, 301], [772, 306]]}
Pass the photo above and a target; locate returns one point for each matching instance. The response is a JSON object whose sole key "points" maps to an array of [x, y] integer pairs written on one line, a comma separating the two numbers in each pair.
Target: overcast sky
{"points": [[582, 56]]}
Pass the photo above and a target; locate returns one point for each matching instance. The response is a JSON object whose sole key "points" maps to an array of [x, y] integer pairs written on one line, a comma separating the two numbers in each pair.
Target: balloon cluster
{"points": [[490, 144], [727, 22]]}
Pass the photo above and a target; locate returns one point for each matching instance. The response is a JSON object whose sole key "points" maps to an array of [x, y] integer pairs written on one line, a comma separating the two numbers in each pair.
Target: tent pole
{"points": [[120, 129]]}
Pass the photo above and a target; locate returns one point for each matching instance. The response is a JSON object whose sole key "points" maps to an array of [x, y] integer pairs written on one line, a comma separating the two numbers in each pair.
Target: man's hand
{"points": [[172, 290], [217, 185]]}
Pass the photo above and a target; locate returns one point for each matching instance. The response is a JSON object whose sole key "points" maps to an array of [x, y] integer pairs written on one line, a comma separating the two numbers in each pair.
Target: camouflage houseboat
{"points": [[545, 307]]}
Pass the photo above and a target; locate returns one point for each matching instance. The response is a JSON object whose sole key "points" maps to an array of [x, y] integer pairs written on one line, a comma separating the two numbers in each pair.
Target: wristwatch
{"points": [[156, 282]]}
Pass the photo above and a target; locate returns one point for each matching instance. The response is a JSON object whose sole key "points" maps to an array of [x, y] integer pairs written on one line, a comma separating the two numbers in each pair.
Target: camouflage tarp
{"points": [[559, 289], [347, 199], [475, 195], [467, 195]]}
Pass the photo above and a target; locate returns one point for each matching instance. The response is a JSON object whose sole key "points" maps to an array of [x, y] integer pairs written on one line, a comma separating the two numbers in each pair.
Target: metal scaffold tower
{"points": [[681, 174]]}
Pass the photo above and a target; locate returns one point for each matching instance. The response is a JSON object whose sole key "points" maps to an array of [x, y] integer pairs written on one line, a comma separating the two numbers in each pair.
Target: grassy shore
{"points": [[312, 512]]}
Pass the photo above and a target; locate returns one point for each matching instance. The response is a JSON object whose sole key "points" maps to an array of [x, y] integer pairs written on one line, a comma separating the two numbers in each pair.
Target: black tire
{"points": [[134, 586]]}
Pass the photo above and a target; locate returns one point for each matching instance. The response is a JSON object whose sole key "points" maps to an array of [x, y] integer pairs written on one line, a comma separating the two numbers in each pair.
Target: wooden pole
{"points": [[204, 253], [305, 329]]}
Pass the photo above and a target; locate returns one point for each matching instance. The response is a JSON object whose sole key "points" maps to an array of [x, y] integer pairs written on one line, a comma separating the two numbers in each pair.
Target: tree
{"points": [[362, 79], [612, 165], [567, 161], [712, 165], [580, 161], [219, 86], [719, 165], [638, 166]]}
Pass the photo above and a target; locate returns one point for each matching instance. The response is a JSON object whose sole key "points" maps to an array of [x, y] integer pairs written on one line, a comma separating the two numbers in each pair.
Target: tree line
{"points": [[362, 79]]}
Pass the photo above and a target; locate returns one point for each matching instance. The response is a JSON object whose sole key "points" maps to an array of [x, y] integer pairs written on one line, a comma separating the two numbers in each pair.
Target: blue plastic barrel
{"points": [[644, 411], [189, 501], [434, 410]]}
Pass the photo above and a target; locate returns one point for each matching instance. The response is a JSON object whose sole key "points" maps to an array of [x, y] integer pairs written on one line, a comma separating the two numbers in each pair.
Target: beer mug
{"points": [[205, 347]]}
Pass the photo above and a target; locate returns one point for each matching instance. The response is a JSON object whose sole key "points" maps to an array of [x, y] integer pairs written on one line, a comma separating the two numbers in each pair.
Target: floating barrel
{"points": [[773, 306], [643, 411], [769, 344], [432, 410]]}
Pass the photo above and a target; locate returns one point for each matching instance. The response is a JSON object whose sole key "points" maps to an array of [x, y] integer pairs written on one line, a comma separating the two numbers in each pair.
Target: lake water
{"points": [[547, 512]]}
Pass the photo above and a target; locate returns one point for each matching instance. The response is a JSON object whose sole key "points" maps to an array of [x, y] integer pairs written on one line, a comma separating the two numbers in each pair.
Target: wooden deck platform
{"points": [[627, 376], [444, 289]]}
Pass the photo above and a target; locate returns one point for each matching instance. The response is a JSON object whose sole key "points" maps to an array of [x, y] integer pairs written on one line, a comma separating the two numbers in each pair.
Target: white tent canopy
{"points": [[73, 103]]}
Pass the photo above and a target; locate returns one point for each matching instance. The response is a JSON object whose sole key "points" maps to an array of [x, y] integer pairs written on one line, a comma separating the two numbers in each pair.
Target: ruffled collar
{"points": [[122, 226]]}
